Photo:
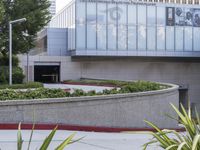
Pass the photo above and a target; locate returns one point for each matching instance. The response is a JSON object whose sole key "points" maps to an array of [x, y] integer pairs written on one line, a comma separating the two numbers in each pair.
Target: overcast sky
{"points": [[60, 4]]}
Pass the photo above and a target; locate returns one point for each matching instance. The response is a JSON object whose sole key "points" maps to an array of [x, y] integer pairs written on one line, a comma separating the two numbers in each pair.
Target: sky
{"points": [[60, 4]]}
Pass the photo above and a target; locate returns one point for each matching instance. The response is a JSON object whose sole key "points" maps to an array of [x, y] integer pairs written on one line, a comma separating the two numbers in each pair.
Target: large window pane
{"points": [[151, 15], [101, 37], [80, 38], [161, 16], [101, 26], [196, 39], [101, 13], [91, 26], [122, 27], [91, 36], [122, 17], [188, 39], [151, 39], [122, 38], [91, 13], [80, 8], [141, 37], [160, 38], [179, 39], [170, 38], [132, 37], [132, 14], [141, 15], [112, 37], [112, 14]]}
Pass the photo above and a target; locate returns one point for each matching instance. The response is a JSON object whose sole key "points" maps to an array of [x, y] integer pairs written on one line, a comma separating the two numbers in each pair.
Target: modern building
{"points": [[156, 40], [52, 8]]}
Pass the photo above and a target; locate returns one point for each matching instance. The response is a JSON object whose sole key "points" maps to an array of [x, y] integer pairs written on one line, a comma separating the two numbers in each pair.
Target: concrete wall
{"points": [[183, 72], [123, 110]]}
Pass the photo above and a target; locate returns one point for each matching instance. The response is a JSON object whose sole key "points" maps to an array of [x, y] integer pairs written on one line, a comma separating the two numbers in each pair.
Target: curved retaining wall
{"points": [[117, 111]]}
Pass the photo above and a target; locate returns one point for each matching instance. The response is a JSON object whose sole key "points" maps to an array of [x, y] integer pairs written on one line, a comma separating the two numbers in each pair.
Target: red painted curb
{"points": [[25, 126]]}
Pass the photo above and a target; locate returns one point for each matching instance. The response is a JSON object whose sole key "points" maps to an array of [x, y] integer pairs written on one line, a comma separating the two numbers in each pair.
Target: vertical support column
{"points": [[10, 54]]}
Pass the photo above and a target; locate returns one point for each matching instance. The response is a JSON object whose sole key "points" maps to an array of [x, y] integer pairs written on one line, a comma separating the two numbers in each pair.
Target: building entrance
{"points": [[47, 74]]}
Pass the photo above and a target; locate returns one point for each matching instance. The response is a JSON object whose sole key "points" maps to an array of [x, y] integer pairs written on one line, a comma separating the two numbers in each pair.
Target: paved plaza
{"points": [[91, 140]]}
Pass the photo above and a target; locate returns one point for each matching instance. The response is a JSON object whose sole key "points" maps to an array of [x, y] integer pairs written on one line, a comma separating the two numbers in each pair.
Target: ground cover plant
{"points": [[22, 86], [41, 93], [181, 141]]}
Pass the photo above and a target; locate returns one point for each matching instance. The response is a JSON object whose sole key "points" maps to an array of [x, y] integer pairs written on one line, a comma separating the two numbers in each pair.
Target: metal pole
{"points": [[27, 67], [10, 53]]}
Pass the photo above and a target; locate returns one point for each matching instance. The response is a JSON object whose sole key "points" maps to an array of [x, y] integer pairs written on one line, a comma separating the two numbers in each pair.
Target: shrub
{"points": [[188, 141], [40, 93], [17, 74], [4, 60], [22, 86]]}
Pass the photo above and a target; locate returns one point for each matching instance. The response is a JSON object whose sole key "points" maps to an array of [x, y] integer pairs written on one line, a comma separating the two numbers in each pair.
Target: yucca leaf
{"points": [[65, 142], [157, 129], [48, 139], [171, 147], [197, 116], [196, 142], [29, 143], [149, 143], [180, 147], [19, 138]]}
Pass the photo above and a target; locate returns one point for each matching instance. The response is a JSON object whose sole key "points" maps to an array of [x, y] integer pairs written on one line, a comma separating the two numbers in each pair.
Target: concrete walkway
{"points": [[85, 88], [91, 141]]}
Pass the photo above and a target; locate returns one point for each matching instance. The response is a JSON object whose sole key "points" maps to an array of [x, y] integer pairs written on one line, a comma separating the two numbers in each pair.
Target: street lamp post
{"points": [[10, 46]]}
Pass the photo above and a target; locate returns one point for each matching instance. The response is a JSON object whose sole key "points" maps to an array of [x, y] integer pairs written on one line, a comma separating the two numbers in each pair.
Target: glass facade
{"points": [[104, 26], [133, 27]]}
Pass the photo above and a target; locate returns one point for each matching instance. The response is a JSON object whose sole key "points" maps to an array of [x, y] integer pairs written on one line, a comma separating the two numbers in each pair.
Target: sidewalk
{"points": [[91, 141]]}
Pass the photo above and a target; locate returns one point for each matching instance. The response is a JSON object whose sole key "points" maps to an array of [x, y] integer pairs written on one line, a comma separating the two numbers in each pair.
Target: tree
{"points": [[1, 10], [37, 14]]}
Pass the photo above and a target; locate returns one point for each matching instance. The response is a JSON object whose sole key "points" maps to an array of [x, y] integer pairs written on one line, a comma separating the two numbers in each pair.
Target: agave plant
{"points": [[190, 140], [46, 142]]}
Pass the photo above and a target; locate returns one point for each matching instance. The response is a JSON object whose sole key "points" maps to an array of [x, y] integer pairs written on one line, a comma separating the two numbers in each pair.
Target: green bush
{"points": [[17, 74], [40, 93], [22, 86], [4, 60]]}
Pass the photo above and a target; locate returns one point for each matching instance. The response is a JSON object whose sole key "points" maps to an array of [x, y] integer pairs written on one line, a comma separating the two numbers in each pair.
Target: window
{"points": [[91, 26], [141, 37], [170, 38], [112, 26], [132, 15], [81, 26], [151, 15], [101, 26], [188, 39], [141, 15], [151, 39], [196, 39], [132, 37], [122, 27], [160, 38], [179, 39], [161, 16]]}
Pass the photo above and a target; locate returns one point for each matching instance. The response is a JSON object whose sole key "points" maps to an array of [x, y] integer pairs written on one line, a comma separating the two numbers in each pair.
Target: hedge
{"points": [[29, 85], [129, 87]]}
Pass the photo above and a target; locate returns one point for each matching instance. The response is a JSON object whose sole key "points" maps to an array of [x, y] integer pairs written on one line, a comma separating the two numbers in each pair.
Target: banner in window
{"points": [[170, 16], [196, 18]]}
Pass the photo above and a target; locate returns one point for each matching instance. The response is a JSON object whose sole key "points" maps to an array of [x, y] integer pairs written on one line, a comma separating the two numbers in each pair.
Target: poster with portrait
{"points": [[180, 16], [196, 17], [170, 16], [188, 17]]}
